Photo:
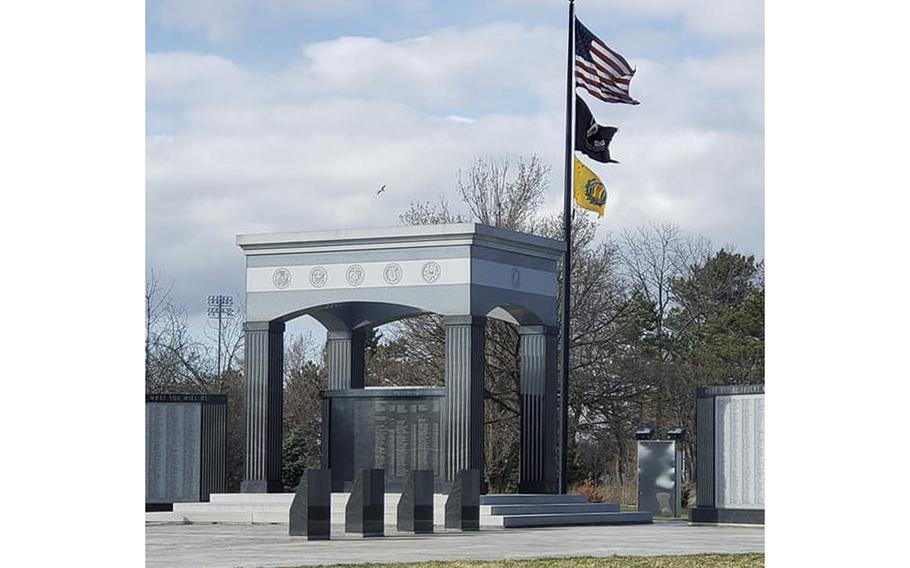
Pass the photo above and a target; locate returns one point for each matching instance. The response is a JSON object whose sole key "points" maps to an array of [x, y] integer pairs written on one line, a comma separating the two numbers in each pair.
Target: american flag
{"points": [[603, 72]]}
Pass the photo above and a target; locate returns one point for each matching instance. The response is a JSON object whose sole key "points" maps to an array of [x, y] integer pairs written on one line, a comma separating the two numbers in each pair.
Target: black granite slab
{"points": [[415, 508], [463, 503], [311, 510], [727, 516], [364, 513]]}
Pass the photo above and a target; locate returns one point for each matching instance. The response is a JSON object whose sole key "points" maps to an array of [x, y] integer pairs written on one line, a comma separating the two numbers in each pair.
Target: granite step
{"points": [[549, 508], [218, 517], [496, 510], [492, 499], [230, 507], [576, 519], [255, 508], [530, 498], [251, 498]]}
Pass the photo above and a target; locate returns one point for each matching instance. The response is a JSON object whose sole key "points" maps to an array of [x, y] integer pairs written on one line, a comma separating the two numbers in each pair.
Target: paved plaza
{"points": [[228, 546]]}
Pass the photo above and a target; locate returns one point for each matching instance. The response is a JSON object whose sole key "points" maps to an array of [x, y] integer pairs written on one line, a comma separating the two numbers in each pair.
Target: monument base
{"points": [[727, 516], [261, 486], [537, 487], [496, 511]]}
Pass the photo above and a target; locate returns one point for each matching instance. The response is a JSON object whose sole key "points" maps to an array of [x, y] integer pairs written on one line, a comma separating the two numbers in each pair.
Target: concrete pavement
{"points": [[228, 546]]}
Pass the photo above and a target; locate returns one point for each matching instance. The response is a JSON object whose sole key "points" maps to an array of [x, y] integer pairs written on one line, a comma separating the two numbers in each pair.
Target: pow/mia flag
{"points": [[591, 138]]}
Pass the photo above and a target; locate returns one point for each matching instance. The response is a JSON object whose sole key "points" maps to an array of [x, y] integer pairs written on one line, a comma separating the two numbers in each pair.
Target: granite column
{"points": [[264, 369], [464, 376], [538, 352], [344, 359]]}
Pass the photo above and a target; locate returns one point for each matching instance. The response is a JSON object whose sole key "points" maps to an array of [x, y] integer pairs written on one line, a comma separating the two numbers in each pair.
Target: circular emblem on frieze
{"points": [[281, 278], [354, 275], [392, 273], [516, 278], [318, 277], [431, 272]]}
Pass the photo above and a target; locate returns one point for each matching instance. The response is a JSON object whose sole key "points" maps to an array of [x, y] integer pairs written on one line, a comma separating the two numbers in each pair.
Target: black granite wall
{"points": [[393, 429]]}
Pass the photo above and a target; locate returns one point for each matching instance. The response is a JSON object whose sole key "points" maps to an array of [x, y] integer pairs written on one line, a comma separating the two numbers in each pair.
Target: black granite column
{"points": [[344, 359], [538, 409], [264, 367], [464, 366]]}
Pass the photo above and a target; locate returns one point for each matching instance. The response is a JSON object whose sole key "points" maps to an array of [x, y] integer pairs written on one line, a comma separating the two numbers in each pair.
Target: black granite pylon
{"points": [[311, 510], [463, 503], [364, 513], [415, 508]]}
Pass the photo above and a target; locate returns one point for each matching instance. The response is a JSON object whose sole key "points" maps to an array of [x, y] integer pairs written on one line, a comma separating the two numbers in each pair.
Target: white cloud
{"points": [[444, 68], [233, 149], [190, 78], [736, 20], [227, 20]]}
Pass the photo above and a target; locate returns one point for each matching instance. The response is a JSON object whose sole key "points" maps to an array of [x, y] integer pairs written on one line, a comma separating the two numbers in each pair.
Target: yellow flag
{"points": [[590, 192]]}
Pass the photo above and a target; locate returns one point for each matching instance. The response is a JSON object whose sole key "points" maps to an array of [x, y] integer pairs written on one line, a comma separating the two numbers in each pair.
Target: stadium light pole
{"points": [[220, 307]]}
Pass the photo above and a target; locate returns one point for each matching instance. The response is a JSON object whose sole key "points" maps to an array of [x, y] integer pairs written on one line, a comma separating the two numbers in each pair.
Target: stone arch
{"points": [[351, 280]]}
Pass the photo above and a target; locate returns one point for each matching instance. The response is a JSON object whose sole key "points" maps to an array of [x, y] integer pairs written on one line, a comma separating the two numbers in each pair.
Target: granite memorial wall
{"points": [[393, 429], [730, 455], [184, 448]]}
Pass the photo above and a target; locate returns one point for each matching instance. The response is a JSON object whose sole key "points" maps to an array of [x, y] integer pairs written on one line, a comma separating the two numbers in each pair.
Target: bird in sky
{"points": [[381, 189]]}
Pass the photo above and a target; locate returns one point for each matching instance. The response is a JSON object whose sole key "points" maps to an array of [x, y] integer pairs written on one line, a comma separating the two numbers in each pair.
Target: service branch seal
{"points": [[596, 193], [516, 278], [281, 278], [431, 272], [354, 275], [318, 277], [392, 273]]}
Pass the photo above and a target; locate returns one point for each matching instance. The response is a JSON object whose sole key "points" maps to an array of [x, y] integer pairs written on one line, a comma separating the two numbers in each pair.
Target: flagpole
{"points": [[567, 262]]}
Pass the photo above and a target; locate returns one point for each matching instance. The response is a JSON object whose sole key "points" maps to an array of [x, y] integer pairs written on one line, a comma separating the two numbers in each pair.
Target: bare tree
{"points": [[304, 378], [497, 198], [430, 213], [503, 193], [157, 297], [653, 256], [174, 358], [231, 341]]}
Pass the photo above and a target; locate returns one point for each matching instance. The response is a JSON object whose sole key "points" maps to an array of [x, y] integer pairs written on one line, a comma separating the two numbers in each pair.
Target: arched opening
{"points": [[338, 399], [406, 353], [502, 404], [519, 402], [365, 425]]}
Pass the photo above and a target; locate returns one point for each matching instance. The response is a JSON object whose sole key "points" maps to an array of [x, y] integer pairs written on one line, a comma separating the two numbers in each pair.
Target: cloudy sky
{"points": [[266, 115]]}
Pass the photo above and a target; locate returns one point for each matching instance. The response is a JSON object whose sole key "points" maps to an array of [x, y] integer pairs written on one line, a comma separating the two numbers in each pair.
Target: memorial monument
{"points": [[353, 280], [660, 469], [730, 455], [184, 448]]}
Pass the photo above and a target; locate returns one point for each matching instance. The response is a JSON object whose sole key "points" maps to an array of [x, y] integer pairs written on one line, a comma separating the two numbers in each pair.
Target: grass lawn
{"points": [[693, 561]]}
